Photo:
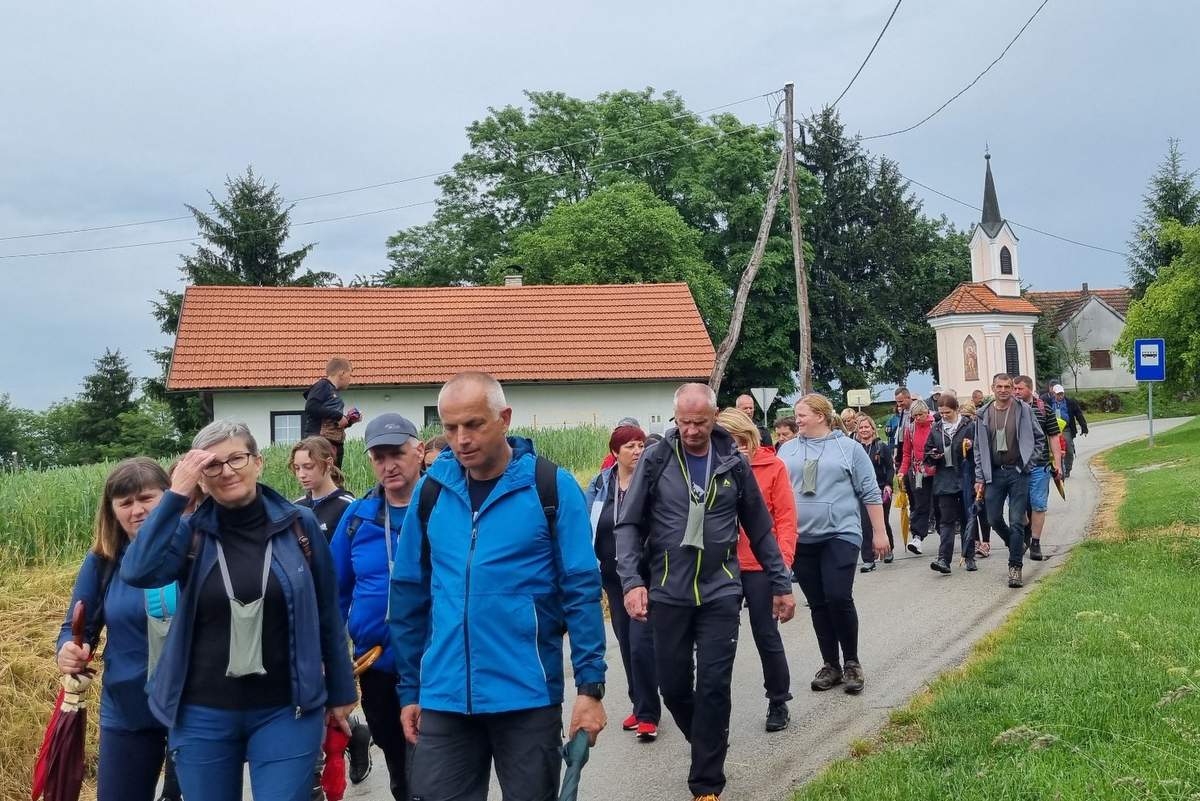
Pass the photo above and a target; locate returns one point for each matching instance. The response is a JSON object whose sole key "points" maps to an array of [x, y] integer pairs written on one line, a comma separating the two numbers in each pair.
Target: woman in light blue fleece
{"points": [[831, 476]]}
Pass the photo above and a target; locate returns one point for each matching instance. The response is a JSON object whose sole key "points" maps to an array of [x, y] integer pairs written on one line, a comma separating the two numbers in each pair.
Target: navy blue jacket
{"points": [[362, 576], [123, 702], [322, 401], [321, 671], [478, 614]]}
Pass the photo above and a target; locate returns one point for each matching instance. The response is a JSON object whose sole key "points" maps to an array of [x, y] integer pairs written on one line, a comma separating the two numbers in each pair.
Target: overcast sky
{"points": [[111, 113]]}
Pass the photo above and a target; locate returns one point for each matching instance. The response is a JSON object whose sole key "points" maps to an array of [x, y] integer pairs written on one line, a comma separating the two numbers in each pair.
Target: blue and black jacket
{"points": [[321, 672], [480, 602]]}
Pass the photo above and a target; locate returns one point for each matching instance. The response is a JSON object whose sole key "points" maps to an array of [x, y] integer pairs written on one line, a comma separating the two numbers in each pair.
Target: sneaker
{"points": [[828, 677], [983, 550], [1014, 576], [891, 557], [647, 732], [360, 751], [940, 566], [777, 716], [971, 566], [707, 797], [630, 723], [867, 567], [318, 792], [914, 545], [1035, 550], [855, 679]]}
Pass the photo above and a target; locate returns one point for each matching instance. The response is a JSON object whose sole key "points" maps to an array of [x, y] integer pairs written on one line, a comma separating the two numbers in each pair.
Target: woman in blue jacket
{"points": [[132, 741], [256, 660]]}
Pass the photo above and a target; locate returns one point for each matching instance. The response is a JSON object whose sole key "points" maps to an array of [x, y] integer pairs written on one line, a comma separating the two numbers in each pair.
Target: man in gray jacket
{"points": [[682, 511], [1008, 447]]}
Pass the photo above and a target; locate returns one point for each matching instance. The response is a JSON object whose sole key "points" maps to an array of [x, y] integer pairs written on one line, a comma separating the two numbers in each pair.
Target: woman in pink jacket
{"points": [[918, 476]]}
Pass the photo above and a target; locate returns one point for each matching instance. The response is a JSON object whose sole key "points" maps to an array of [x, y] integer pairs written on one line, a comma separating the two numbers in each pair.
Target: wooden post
{"points": [[725, 350], [789, 151]]}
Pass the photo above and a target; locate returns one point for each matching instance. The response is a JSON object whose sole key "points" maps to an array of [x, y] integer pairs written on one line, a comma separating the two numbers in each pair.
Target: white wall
{"points": [[990, 333], [549, 405], [1096, 327]]}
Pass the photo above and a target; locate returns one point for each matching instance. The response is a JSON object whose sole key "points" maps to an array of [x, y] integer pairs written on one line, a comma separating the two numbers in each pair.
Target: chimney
{"points": [[1085, 289], [515, 280]]}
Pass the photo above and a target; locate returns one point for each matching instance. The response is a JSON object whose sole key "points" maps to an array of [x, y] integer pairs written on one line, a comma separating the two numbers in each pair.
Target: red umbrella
{"points": [[333, 775], [58, 772]]}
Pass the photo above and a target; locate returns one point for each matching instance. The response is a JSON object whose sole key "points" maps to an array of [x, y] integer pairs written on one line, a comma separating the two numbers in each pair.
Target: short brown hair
{"points": [[127, 478], [1024, 381], [336, 365], [322, 452], [947, 402], [789, 423]]}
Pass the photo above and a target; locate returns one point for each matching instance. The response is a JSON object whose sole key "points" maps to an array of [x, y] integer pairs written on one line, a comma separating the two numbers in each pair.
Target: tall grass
{"points": [[46, 517]]}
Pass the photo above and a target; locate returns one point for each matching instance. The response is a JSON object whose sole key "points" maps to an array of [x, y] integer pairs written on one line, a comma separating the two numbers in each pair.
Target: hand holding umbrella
{"points": [[58, 772]]}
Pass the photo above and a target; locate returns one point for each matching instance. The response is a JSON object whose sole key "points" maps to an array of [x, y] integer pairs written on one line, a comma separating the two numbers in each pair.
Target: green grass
{"points": [[1161, 482], [46, 517], [1090, 691], [1134, 402]]}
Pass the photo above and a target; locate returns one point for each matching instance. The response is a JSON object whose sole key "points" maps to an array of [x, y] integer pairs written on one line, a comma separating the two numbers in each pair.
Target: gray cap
{"points": [[390, 429], [628, 421]]}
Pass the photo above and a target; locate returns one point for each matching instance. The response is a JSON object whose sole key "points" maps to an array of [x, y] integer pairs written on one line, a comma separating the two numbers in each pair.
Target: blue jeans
{"points": [[1039, 489], [1012, 485], [211, 746], [130, 762]]}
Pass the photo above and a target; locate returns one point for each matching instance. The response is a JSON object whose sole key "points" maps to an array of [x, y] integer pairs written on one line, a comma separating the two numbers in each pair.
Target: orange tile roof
{"points": [[233, 337], [1061, 306], [979, 298]]}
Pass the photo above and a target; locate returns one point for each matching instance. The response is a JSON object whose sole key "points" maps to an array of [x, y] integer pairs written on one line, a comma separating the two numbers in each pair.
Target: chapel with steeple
{"points": [[985, 326]]}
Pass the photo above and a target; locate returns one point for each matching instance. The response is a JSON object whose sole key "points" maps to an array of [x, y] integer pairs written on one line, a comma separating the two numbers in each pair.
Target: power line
{"points": [[968, 86], [869, 54], [374, 212], [393, 182]]}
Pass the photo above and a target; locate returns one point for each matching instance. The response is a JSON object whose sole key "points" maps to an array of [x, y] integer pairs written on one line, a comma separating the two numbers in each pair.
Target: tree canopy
{"points": [[1171, 196]]}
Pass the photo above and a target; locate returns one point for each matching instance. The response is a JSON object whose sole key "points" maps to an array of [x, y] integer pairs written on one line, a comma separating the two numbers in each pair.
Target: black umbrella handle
{"points": [[78, 624]]}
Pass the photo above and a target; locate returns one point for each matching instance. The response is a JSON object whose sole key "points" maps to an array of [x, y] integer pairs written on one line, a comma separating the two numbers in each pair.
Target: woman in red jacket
{"points": [[918, 476], [772, 477]]}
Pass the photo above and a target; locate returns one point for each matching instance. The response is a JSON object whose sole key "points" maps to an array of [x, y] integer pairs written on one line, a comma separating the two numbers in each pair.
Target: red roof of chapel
{"points": [[281, 337], [979, 298]]}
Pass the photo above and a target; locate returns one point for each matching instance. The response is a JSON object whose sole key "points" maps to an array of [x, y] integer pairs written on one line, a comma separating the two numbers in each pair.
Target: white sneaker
{"points": [[914, 545]]}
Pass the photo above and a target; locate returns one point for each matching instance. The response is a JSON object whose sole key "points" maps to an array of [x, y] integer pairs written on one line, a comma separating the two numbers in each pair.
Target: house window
{"points": [[1005, 261], [285, 427], [432, 418], [1101, 359], [1012, 360]]}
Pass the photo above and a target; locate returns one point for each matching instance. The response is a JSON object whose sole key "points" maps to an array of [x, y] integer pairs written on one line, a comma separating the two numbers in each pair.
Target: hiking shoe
{"points": [[360, 751], [940, 566], [855, 679], [777, 716], [914, 545], [828, 677], [891, 557], [647, 732], [707, 797], [983, 550], [1014, 576], [318, 792], [1035, 550], [971, 566], [867, 567], [630, 723]]}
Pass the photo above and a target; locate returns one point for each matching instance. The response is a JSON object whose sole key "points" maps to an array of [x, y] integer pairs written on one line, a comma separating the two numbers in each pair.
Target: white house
{"points": [[567, 355], [1088, 322]]}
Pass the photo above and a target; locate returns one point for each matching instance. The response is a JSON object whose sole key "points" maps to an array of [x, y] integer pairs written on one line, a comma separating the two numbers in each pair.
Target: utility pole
{"points": [[726, 348], [789, 153]]}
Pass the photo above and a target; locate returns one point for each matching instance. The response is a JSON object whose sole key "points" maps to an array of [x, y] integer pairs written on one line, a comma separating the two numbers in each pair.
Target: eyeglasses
{"points": [[236, 462]]}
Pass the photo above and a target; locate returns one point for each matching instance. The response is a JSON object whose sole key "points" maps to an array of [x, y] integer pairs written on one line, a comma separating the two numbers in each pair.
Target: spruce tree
{"points": [[107, 394], [1171, 195]]}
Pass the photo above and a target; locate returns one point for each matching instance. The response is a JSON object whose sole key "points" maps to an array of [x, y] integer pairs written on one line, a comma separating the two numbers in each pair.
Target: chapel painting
{"points": [[970, 359]]}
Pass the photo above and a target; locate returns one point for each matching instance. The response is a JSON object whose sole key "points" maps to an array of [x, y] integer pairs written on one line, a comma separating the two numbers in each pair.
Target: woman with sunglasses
{"points": [[257, 661]]}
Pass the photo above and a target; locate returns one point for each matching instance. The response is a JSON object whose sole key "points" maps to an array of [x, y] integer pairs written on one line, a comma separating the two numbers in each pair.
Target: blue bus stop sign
{"points": [[1149, 360]]}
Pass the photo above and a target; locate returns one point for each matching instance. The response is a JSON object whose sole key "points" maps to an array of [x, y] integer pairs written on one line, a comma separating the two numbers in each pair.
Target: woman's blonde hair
{"points": [[917, 407], [128, 478], [740, 426], [321, 452], [863, 416], [820, 406]]}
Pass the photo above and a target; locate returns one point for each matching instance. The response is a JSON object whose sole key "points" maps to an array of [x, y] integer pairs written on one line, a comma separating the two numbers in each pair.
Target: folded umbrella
{"points": [[333, 775], [901, 503], [58, 772], [1058, 485], [575, 754]]}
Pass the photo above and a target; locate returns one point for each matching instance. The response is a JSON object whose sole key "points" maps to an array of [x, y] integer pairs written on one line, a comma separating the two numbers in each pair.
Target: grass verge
{"points": [[1091, 690]]}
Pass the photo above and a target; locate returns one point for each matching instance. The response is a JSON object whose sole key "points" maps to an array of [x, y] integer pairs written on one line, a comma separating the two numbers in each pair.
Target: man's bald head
{"points": [[696, 397], [471, 386], [745, 405]]}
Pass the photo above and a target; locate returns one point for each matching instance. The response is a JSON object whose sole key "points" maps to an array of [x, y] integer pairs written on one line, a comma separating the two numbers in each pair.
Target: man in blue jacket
{"points": [[489, 575]]}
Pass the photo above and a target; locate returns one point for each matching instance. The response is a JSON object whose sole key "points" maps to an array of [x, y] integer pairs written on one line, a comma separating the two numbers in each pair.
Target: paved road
{"points": [[914, 624]]}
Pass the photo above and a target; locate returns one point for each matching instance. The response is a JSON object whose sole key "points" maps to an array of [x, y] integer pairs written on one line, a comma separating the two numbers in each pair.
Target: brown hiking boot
{"points": [[1014, 576], [827, 678], [853, 675]]}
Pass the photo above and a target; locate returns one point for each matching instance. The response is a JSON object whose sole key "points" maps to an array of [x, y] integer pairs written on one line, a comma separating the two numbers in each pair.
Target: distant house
{"points": [[1089, 321], [567, 355]]}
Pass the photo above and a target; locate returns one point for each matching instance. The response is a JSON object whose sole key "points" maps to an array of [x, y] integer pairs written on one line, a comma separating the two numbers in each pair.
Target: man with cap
{"points": [[494, 566], [364, 548], [934, 394], [745, 405], [1069, 412]]}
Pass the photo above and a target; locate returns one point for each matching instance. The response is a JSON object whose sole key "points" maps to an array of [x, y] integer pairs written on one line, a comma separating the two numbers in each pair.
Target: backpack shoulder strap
{"points": [[430, 492], [545, 474], [356, 521], [302, 539]]}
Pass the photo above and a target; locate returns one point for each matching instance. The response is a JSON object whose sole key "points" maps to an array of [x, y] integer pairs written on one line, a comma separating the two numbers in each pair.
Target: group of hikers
{"points": [[228, 607]]}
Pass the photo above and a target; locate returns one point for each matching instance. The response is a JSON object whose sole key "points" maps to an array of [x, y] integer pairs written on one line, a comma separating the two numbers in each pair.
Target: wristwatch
{"points": [[593, 689]]}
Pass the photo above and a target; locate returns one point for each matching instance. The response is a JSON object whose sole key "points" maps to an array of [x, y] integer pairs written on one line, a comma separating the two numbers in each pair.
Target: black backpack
{"points": [[545, 477]]}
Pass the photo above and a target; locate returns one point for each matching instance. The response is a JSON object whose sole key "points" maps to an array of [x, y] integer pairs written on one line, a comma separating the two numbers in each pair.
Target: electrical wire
{"points": [[869, 54], [962, 91]]}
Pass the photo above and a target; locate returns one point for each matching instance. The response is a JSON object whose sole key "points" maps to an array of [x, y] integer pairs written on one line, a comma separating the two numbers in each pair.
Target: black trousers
{"points": [[951, 525], [920, 506], [453, 756], [868, 545], [129, 764], [698, 693], [381, 708], [760, 598], [339, 451], [825, 572], [636, 641]]}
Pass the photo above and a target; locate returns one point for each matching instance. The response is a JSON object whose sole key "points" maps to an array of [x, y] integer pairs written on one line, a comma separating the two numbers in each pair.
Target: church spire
{"points": [[991, 220]]}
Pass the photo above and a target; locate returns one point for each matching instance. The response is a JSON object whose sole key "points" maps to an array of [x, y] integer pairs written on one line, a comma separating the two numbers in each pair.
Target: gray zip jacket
{"points": [[845, 479], [1031, 441], [654, 517]]}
